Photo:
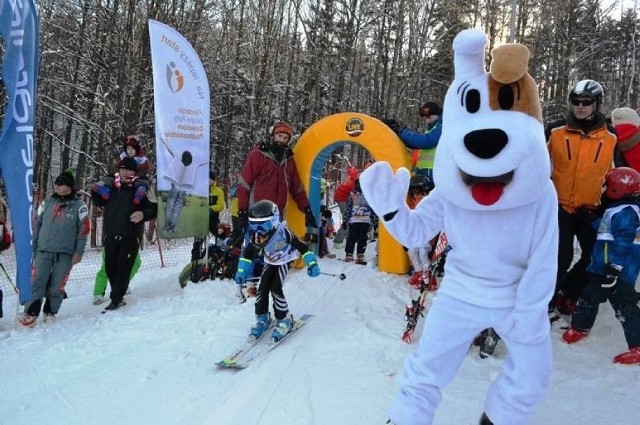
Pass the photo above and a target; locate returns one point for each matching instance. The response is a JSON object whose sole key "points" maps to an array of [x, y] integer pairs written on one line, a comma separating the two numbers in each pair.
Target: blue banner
{"points": [[19, 30]]}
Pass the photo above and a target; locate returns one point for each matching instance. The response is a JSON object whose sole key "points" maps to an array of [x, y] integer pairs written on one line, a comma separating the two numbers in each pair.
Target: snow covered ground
{"points": [[152, 362]]}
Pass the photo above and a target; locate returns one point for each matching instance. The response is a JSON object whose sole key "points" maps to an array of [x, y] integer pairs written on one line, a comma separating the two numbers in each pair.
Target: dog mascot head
{"points": [[492, 153]]}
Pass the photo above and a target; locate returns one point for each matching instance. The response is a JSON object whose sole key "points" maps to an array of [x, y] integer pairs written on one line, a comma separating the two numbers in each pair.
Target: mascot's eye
{"points": [[472, 101], [506, 97]]}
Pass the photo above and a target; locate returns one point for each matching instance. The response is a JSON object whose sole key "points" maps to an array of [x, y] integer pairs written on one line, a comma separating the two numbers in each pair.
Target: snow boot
{"points": [[283, 327], [416, 279], [628, 357], [262, 324], [573, 335], [97, 300], [114, 305], [28, 321], [49, 318], [484, 420], [360, 259], [349, 258]]}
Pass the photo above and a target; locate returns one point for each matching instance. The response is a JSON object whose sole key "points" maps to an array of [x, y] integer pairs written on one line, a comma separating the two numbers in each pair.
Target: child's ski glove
{"points": [[243, 272], [102, 190], [385, 191], [311, 261]]}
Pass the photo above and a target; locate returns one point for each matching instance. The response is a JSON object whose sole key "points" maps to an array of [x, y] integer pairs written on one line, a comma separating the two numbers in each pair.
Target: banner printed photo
{"points": [[181, 100]]}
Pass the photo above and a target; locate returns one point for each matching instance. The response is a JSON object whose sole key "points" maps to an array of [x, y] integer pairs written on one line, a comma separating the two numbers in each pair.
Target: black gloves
{"points": [[611, 272], [309, 219], [587, 215], [393, 125]]}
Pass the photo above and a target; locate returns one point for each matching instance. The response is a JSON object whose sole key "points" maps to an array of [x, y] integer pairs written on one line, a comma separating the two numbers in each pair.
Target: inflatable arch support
{"points": [[314, 148]]}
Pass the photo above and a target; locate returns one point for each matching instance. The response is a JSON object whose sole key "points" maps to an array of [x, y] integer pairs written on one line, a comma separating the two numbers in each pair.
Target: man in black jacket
{"points": [[126, 206]]}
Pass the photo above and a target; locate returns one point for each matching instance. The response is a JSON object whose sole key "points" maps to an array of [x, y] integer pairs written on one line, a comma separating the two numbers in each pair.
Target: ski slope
{"points": [[152, 361]]}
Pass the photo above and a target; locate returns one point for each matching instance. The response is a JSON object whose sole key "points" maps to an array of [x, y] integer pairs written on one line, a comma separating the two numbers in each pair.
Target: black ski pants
{"points": [[572, 282], [271, 281], [119, 255]]}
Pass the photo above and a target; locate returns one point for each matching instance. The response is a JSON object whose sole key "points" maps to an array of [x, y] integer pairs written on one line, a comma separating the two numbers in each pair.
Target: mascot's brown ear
{"points": [[510, 63]]}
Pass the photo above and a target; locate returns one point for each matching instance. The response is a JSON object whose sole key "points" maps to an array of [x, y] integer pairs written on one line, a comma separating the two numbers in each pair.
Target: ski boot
{"points": [[360, 260], [283, 327], [349, 258], [262, 324], [416, 279], [628, 357], [573, 335], [489, 343]]}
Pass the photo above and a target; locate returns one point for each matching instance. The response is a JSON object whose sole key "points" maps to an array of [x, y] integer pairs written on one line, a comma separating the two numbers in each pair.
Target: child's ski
{"points": [[244, 359], [241, 351]]}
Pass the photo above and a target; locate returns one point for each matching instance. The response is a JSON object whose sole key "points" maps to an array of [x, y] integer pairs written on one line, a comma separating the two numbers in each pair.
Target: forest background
{"points": [[297, 60]]}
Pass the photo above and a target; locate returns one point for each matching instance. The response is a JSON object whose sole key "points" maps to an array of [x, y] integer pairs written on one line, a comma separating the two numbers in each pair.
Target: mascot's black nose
{"points": [[486, 143]]}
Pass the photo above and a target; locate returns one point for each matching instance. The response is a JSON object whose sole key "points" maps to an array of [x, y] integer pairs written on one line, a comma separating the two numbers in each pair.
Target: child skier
{"points": [[279, 245], [358, 216], [615, 263], [419, 187]]}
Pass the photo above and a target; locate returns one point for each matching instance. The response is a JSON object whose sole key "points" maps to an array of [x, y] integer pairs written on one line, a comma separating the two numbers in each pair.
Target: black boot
{"points": [[484, 420]]}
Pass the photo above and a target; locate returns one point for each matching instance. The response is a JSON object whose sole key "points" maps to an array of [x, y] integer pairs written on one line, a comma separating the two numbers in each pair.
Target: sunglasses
{"points": [[583, 102]]}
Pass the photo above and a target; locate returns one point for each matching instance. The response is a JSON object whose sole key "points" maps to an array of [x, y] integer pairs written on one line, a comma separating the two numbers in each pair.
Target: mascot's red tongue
{"points": [[486, 193]]}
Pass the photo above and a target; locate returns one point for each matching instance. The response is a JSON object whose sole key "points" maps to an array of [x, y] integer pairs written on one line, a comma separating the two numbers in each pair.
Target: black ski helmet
{"points": [[264, 218], [422, 183]]}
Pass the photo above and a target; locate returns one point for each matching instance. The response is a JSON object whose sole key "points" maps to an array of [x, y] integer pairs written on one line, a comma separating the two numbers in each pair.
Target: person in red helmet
{"points": [[615, 264]]}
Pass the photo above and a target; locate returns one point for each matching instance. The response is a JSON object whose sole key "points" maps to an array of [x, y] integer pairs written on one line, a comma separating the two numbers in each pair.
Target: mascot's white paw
{"points": [[385, 192]]}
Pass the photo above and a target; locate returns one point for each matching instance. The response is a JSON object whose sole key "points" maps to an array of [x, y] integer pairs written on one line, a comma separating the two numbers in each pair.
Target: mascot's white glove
{"points": [[384, 191]]}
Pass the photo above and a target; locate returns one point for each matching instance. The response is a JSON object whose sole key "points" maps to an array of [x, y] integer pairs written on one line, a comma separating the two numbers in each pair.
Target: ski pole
{"points": [[15, 289], [340, 276]]}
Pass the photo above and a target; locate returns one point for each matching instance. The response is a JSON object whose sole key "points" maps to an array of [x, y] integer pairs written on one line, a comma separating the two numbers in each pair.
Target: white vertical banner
{"points": [[181, 102]]}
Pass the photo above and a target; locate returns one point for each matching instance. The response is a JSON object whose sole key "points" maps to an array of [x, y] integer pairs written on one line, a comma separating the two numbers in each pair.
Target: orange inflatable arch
{"points": [[314, 148]]}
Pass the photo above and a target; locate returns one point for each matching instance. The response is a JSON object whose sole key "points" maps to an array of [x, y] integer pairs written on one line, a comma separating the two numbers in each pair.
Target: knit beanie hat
{"points": [[626, 122], [66, 178], [129, 163]]}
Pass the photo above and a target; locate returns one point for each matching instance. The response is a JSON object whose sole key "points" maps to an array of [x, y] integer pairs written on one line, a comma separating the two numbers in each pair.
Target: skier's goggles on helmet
{"points": [[261, 228]]}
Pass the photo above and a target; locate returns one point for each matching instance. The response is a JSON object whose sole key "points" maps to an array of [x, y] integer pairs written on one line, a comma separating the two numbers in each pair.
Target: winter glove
{"points": [[385, 191], [309, 218], [102, 190], [141, 192], [311, 261], [393, 125], [243, 272], [611, 273], [586, 215]]}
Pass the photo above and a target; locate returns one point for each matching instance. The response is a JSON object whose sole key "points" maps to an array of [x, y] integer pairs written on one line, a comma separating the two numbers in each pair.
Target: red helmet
{"points": [[621, 182]]}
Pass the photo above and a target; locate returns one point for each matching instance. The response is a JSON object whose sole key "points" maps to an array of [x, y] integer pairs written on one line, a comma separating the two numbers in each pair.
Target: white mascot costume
{"points": [[496, 203]]}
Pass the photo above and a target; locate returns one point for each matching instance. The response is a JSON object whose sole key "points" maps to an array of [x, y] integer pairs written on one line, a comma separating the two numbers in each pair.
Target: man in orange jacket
{"points": [[582, 152]]}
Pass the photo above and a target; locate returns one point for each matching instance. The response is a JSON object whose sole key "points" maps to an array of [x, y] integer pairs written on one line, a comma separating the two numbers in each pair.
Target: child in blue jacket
{"points": [[615, 264]]}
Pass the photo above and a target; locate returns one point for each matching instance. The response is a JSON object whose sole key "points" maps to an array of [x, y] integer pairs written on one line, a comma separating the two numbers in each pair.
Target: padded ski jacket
{"points": [[266, 177], [579, 163], [61, 225]]}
